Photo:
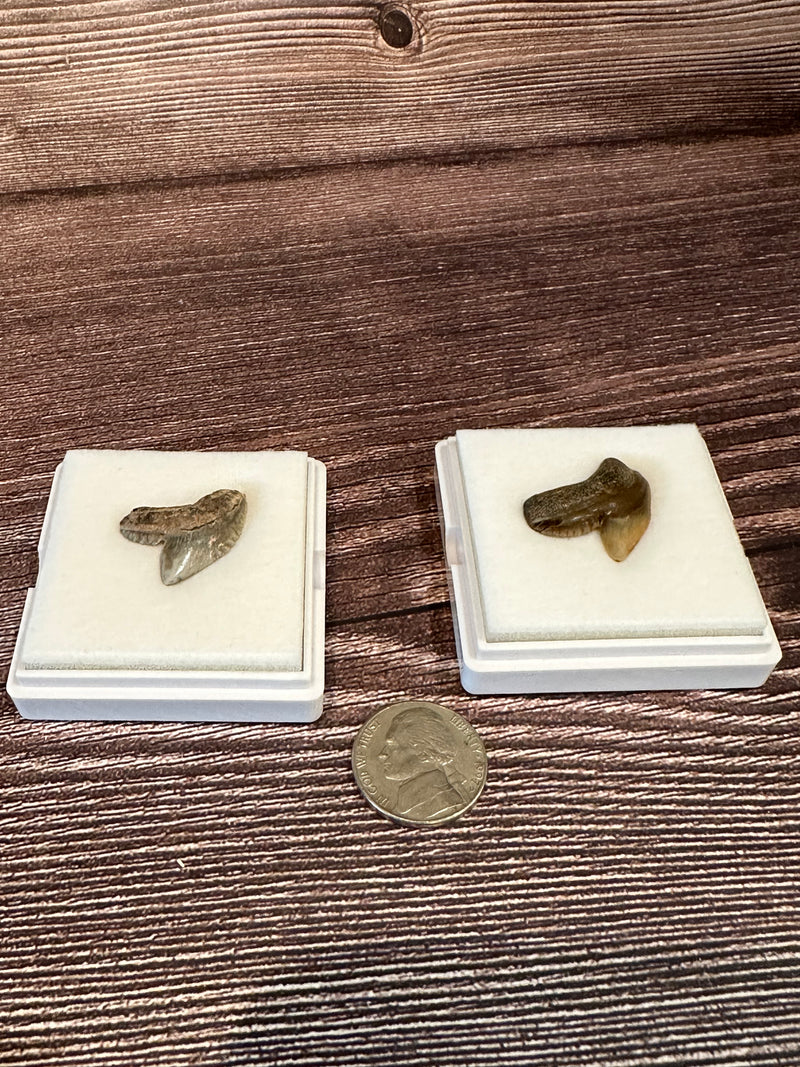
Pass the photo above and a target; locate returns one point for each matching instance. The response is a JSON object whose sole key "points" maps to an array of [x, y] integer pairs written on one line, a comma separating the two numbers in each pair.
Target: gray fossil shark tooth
{"points": [[193, 535], [614, 500]]}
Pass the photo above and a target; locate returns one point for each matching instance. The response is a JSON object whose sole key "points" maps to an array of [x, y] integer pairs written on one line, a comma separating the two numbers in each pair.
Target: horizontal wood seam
{"points": [[439, 160], [772, 546], [397, 613]]}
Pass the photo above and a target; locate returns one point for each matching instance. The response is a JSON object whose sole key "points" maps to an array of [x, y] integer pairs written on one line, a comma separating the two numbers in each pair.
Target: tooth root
{"points": [[567, 511]]}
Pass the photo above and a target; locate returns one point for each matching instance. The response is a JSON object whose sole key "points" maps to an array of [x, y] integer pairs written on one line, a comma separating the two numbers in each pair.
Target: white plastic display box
{"points": [[102, 637], [538, 614]]}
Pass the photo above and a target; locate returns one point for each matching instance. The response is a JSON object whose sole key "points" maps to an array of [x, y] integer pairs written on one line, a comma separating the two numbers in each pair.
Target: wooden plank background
{"points": [[245, 225], [136, 89]]}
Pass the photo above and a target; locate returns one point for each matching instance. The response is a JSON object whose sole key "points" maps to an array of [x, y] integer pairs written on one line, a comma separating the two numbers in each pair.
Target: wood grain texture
{"points": [[626, 892], [121, 91]]}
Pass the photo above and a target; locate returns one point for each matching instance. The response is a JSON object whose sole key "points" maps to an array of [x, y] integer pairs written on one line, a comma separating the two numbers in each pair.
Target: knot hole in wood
{"points": [[397, 26]]}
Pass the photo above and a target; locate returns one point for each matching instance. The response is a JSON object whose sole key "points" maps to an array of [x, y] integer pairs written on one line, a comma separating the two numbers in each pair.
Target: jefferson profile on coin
{"points": [[419, 753], [419, 763]]}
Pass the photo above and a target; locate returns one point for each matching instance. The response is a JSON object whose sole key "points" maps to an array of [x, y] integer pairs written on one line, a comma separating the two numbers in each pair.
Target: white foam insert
{"points": [[687, 576], [99, 602]]}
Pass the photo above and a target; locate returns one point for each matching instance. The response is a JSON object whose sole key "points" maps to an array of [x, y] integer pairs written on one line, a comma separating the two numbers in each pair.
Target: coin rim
{"points": [[399, 818]]}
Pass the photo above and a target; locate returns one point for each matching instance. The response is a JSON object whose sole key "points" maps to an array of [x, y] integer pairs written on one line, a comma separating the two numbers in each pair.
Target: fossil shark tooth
{"points": [[193, 535], [614, 500]]}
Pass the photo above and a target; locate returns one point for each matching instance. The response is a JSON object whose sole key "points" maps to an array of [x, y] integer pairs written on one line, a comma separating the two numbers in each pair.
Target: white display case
{"points": [[243, 640], [536, 614]]}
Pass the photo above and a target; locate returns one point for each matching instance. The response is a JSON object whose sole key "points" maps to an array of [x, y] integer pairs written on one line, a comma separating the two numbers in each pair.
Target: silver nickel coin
{"points": [[419, 763]]}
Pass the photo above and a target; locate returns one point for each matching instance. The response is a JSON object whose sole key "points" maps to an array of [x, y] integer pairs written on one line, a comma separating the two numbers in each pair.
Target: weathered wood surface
{"points": [[626, 892], [368, 248], [121, 90]]}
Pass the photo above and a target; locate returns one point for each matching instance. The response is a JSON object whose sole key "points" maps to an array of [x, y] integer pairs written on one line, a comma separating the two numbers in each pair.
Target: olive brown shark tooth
{"points": [[614, 500], [193, 535]]}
